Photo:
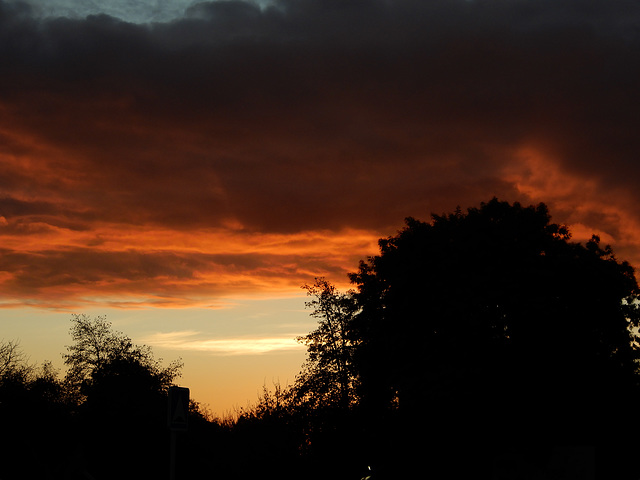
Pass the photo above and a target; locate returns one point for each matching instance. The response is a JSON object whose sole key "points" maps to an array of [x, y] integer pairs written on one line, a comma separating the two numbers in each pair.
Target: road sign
{"points": [[178, 411]]}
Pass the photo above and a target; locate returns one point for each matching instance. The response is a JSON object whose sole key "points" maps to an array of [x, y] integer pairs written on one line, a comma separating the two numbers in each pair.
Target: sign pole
{"points": [[177, 420], [172, 459]]}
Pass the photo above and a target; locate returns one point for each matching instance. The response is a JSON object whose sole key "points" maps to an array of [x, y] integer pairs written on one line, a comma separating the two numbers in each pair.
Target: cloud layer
{"points": [[243, 148]]}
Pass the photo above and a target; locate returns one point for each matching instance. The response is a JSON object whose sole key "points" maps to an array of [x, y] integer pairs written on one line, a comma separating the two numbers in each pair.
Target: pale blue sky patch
{"points": [[133, 11]]}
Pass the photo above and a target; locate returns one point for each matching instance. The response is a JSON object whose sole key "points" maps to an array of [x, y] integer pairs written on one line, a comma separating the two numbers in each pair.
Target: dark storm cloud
{"points": [[322, 114]]}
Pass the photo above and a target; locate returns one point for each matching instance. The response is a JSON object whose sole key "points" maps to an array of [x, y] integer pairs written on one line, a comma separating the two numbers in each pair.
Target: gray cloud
{"points": [[138, 11]]}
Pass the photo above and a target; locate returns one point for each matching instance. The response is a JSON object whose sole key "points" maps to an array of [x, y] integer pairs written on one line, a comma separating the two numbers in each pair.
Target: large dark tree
{"points": [[493, 324]]}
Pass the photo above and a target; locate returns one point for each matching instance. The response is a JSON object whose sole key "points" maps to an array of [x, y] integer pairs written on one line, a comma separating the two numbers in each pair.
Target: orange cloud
{"points": [[249, 150], [579, 200], [146, 266]]}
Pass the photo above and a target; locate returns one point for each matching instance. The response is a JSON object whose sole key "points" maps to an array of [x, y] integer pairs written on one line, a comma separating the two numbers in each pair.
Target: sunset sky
{"points": [[184, 167]]}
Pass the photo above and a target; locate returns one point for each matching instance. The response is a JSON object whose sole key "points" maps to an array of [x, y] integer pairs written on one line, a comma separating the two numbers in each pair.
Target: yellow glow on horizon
{"points": [[190, 340]]}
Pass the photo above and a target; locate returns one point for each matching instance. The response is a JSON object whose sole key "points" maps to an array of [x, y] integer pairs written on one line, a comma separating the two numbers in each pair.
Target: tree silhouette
{"points": [[12, 360], [302, 426], [494, 321], [106, 419], [480, 340], [35, 416], [328, 377], [97, 350], [122, 393]]}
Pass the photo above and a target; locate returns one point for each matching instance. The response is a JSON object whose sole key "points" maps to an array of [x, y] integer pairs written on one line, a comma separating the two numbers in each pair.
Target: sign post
{"points": [[177, 420]]}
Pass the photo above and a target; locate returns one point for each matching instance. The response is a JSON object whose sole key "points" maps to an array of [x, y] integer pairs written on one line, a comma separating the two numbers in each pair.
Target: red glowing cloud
{"points": [[240, 150]]}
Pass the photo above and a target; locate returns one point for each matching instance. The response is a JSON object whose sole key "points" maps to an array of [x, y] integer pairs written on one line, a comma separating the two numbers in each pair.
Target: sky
{"points": [[185, 167]]}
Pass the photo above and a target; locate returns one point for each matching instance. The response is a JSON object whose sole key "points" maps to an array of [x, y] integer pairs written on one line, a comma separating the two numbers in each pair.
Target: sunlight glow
{"points": [[188, 340]]}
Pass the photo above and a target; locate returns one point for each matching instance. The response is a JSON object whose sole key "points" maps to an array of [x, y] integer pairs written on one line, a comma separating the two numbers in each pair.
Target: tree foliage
{"points": [[34, 410], [106, 419], [94, 344], [494, 318], [118, 386], [328, 377], [99, 354]]}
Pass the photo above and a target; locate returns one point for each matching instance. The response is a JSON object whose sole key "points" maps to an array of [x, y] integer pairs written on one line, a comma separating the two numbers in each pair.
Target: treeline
{"points": [[100, 420], [480, 344], [107, 418]]}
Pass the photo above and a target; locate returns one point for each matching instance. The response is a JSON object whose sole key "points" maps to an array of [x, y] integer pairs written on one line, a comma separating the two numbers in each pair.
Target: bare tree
{"points": [[13, 361]]}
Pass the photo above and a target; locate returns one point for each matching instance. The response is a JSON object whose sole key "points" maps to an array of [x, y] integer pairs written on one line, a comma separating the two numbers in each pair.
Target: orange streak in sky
{"points": [[579, 200], [184, 268]]}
